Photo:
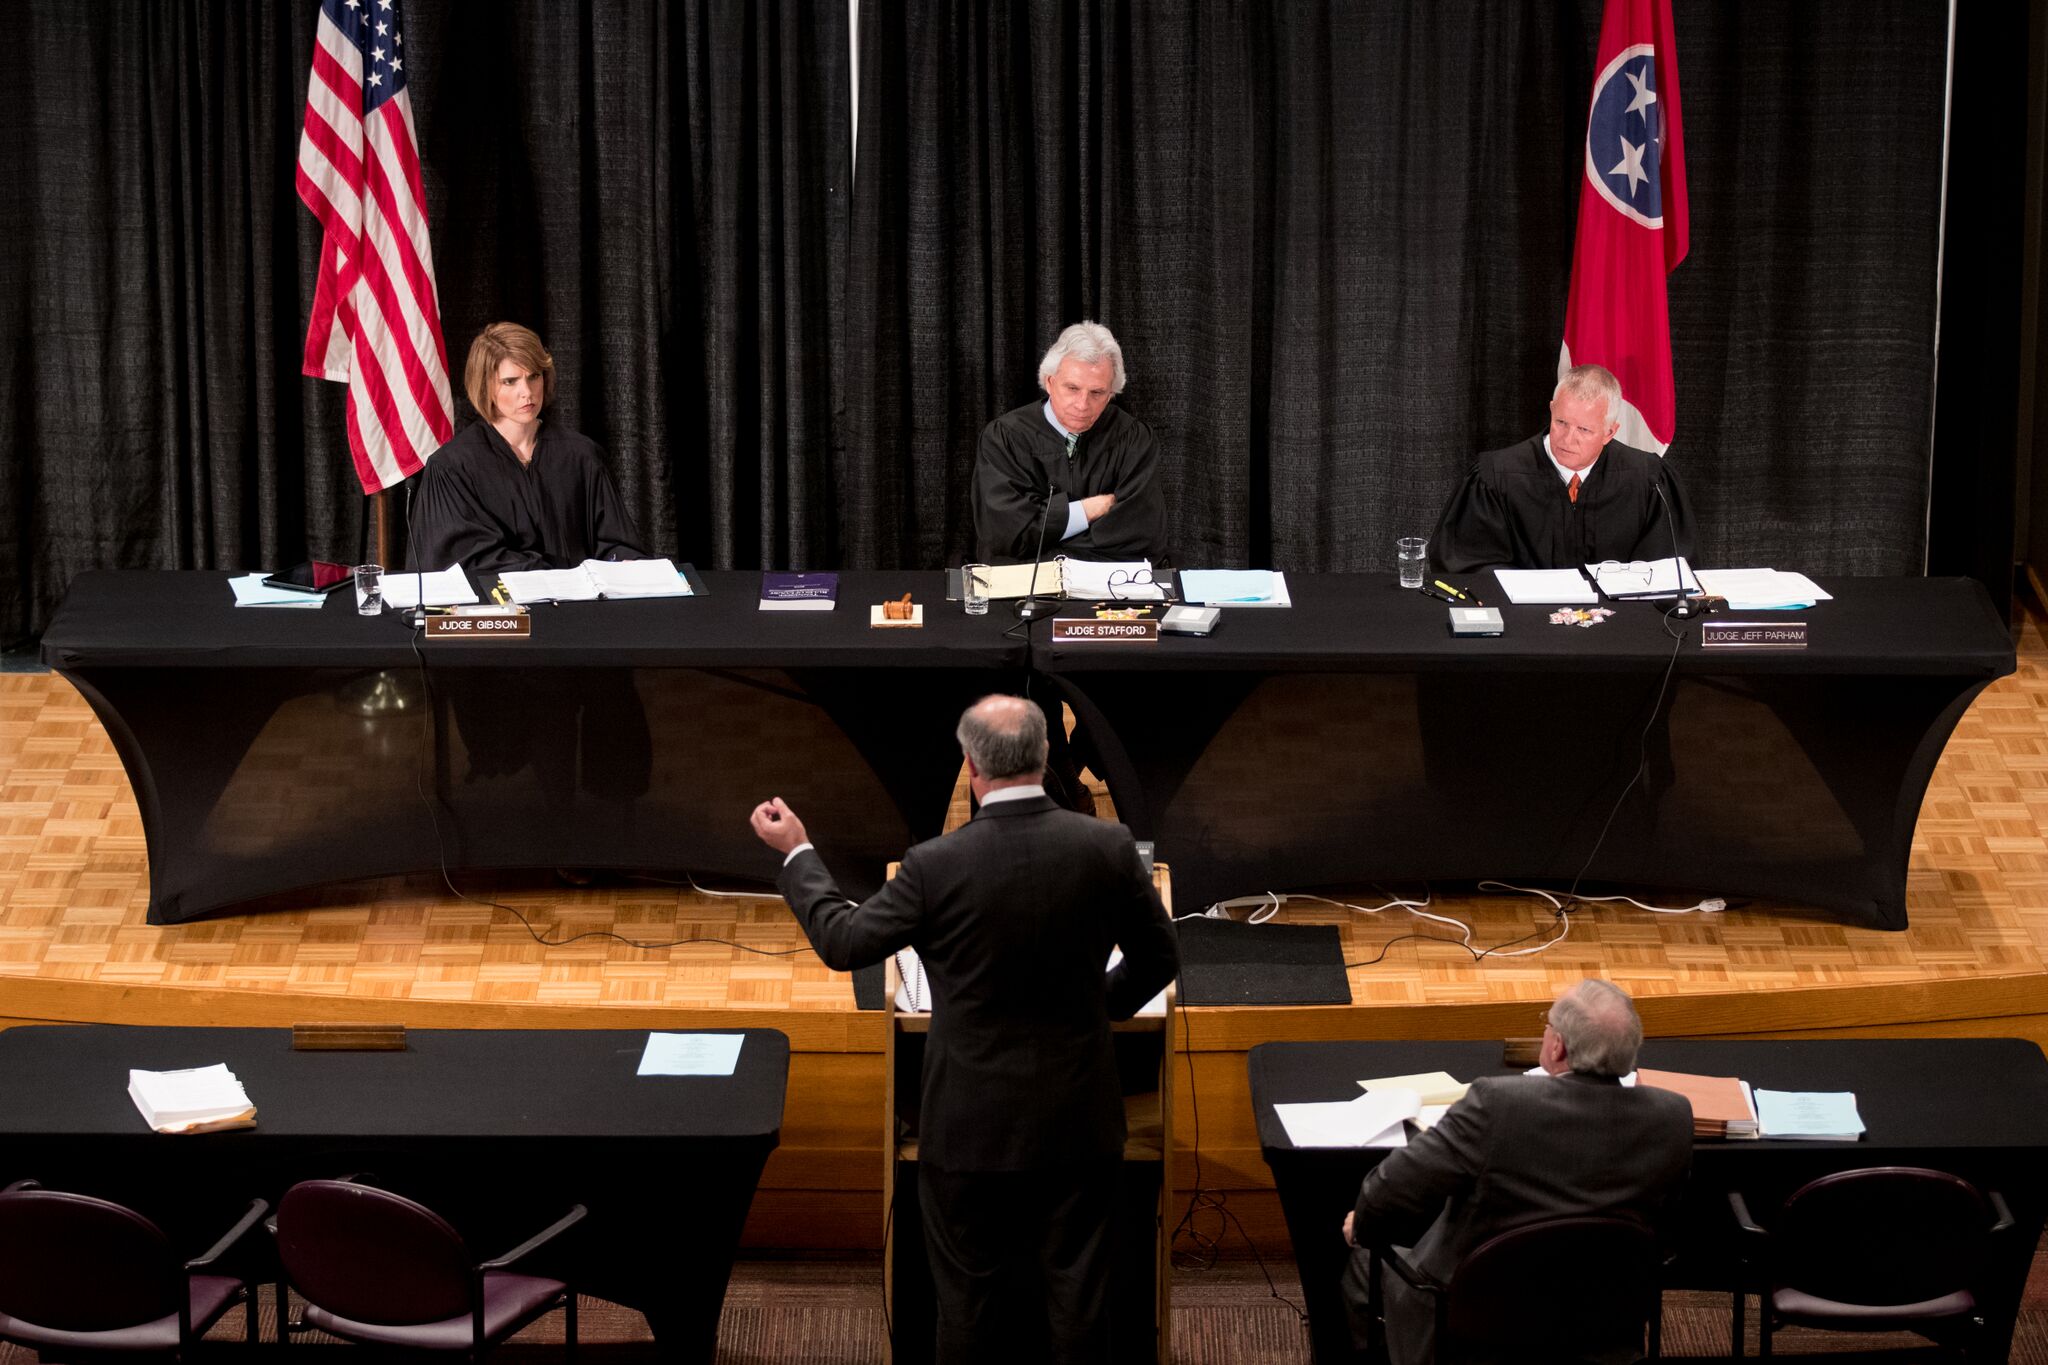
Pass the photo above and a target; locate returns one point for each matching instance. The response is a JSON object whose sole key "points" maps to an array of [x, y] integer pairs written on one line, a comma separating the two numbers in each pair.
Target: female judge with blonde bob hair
{"points": [[514, 491]]}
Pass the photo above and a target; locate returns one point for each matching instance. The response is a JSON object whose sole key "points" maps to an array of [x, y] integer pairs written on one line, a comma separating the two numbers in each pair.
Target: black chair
{"points": [[1884, 1249], [79, 1274], [1502, 1302], [377, 1268]]}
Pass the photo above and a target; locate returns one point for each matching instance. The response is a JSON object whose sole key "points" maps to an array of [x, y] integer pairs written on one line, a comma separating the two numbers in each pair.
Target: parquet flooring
{"points": [[74, 887]]}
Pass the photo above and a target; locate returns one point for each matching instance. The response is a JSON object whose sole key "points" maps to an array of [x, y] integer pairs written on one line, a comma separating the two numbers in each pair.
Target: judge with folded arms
{"points": [[1569, 497], [1096, 464]]}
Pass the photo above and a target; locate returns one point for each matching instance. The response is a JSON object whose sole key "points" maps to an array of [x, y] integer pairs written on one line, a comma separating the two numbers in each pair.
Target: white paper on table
{"points": [[637, 578], [170, 1100], [251, 591], [1374, 1119], [691, 1054], [1431, 1087], [1566, 587], [1762, 589], [443, 588], [1629, 1079], [1430, 1115], [1818, 1114], [528, 586]]}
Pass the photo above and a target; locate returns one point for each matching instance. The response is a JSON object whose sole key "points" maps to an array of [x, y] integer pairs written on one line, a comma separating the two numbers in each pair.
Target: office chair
{"points": [[1884, 1249], [1503, 1299], [79, 1274], [377, 1268]]}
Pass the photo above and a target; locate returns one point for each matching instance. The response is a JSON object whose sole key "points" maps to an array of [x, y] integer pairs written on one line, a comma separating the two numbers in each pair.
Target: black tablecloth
{"points": [[502, 1131], [1350, 739], [624, 734], [1976, 1107]]}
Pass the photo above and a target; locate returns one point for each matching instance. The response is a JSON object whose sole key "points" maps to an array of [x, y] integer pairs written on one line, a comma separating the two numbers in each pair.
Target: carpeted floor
{"points": [[830, 1313]]}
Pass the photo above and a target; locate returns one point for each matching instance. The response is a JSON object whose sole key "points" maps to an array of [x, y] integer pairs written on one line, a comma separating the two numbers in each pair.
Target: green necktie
{"points": [[1072, 441]]}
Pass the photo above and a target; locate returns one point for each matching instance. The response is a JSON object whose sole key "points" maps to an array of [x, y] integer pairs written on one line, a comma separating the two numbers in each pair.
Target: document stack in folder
{"points": [[1722, 1106]]}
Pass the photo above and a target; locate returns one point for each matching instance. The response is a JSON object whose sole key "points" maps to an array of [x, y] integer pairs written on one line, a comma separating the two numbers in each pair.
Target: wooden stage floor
{"points": [[74, 947]]}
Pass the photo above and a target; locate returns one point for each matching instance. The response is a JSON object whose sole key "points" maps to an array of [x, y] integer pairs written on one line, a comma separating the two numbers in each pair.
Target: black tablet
{"points": [[315, 575]]}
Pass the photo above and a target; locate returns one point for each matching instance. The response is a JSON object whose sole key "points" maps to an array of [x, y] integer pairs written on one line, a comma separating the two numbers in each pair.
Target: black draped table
{"points": [[499, 1130], [1976, 1107], [1350, 739], [623, 734]]}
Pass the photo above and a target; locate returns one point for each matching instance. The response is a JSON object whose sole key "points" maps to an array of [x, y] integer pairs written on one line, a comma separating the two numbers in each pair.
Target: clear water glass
{"points": [[1411, 556]]}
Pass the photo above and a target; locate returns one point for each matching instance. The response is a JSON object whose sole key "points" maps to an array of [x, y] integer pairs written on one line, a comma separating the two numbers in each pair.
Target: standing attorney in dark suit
{"points": [[1521, 1148], [1022, 1130]]}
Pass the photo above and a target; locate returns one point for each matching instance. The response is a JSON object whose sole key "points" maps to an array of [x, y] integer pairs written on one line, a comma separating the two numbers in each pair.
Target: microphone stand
{"points": [[1031, 607], [419, 589]]}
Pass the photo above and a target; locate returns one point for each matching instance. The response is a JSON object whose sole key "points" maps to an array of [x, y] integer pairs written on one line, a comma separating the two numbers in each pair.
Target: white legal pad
{"points": [[1565, 587], [443, 588], [1374, 1119]]}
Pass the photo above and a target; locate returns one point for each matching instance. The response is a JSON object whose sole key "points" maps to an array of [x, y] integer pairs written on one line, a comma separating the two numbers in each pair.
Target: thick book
{"points": [[799, 591], [595, 579]]}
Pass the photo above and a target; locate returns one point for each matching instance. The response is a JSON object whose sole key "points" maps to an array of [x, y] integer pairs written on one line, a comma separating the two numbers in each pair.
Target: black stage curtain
{"points": [[656, 189], [1335, 240]]}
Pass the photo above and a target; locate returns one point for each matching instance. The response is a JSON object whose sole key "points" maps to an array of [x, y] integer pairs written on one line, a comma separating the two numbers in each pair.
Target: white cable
{"points": [[1713, 905]]}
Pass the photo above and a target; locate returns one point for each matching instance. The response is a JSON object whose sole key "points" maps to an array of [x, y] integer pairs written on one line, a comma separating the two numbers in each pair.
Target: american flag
{"points": [[376, 321]]}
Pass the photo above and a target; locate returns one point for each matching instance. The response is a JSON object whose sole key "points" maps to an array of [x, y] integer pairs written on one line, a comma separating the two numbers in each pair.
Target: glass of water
{"points": [[1411, 556], [974, 589], [369, 589]]}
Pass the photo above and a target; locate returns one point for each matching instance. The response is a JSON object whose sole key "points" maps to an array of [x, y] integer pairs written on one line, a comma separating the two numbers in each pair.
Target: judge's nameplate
{"points": [[1476, 621], [481, 623], [1753, 634], [1066, 631]]}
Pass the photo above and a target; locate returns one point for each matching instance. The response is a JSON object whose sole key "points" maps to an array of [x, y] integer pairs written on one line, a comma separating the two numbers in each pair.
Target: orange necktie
{"points": [[1572, 488]]}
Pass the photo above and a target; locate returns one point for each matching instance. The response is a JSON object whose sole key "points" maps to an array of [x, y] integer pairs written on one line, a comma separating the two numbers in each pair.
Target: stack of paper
{"points": [[594, 579], [1813, 1116], [1374, 1119], [252, 591], [1436, 1092], [691, 1054], [204, 1099], [1762, 589], [1563, 587], [1235, 587], [443, 588], [1722, 1106]]}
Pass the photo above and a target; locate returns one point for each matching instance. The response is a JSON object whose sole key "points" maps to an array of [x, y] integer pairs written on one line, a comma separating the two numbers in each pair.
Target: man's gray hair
{"points": [[1592, 382], [1086, 342], [1003, 741], [1600, 1028]]}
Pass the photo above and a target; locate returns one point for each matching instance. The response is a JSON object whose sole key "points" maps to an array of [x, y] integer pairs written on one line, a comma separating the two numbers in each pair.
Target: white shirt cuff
{"points": [[1077, 520], [793, 852]]}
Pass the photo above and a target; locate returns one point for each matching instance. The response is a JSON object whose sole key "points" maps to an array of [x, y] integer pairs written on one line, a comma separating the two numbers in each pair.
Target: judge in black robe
{"points": [[1100, 463], [1515, 511], [478, 504]]}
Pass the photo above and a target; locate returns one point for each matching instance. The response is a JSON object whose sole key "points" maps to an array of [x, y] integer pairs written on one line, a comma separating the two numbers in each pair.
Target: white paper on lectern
{"points": [[1374, 1119], [691, 1054], [444, 588]]}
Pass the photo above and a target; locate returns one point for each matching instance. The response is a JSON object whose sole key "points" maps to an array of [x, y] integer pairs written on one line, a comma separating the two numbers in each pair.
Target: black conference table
{"points": [[623, 734], [500, 1131], [1977, 1107], [1351, 740]]}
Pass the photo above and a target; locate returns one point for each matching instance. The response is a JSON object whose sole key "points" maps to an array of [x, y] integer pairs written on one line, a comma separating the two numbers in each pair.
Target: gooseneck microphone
{"points": [[1031, 607]]}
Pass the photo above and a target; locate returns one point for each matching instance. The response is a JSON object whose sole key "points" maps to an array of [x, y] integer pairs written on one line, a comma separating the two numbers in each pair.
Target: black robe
{"points": [[477, 506], [1020, 454], [1513, 511]]}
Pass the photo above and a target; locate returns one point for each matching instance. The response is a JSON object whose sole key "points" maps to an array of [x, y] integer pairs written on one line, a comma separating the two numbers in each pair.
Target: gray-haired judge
{"points": [[1097, 464], [1521, 1148]]}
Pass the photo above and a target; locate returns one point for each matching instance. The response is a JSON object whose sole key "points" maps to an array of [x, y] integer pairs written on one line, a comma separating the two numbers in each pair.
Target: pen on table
{"points": [[1430, 591], [1459, 594]]}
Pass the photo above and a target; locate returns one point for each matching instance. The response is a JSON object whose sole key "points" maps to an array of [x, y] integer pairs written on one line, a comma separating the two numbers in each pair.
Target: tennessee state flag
{"points": [[1632, 220]]}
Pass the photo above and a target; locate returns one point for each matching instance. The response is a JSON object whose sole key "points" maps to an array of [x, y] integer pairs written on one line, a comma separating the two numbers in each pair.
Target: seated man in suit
{"points": [[1518, 1149], [1021, 1134], [1571, 496]]}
